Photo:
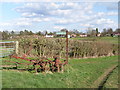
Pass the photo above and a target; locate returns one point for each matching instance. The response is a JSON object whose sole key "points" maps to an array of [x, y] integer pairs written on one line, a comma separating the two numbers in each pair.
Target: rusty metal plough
{"points": [[41, 65], [44, 64]]}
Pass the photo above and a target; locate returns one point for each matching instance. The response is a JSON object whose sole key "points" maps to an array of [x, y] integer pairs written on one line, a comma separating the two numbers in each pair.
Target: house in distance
{"points": [[61, 34]]}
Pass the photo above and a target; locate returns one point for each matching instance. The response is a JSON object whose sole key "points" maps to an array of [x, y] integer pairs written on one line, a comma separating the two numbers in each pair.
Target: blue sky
{"points": [[54, 16]]}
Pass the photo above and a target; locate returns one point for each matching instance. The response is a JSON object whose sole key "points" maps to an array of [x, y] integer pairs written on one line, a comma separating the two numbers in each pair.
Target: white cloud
{"points": [[63, 14], [16, 24], [23, 23], [40, 19], [112, 13], [52, 9], [87, 25], [58, 27], [29, 14], [59, 1], [101, 14], [5, 24], [36, 20], [105, 21], [46, 19]]}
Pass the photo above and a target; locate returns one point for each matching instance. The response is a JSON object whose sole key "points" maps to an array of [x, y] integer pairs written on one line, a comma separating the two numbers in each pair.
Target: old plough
{"points": [[44, 64]]}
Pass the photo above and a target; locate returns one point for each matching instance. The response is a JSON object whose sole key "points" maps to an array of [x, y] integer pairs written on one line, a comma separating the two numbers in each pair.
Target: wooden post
{"points": [[67, 46], [16, 47]]}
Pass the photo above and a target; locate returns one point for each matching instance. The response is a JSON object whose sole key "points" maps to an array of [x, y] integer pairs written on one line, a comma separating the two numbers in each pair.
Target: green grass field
{"points": [[107, 39], [79, 73]]}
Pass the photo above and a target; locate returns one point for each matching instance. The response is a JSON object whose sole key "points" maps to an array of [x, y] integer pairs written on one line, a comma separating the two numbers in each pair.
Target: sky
{"points": [[54, 16]]}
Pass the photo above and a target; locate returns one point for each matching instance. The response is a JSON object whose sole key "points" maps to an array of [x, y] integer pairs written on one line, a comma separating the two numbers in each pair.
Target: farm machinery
{"points": [[44, 64]]}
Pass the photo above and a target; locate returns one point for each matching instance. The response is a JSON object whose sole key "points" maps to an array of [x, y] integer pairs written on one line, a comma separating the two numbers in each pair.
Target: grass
{"points": [[79, 73], [112, 81], [113, 40]]}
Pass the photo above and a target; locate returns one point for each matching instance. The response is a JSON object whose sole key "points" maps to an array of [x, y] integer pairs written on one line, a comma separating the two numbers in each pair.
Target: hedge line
{"points": [[50, 47]]}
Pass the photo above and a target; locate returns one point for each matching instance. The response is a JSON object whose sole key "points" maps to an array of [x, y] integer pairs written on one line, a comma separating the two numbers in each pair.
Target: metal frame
{"points": [[56, 63]]}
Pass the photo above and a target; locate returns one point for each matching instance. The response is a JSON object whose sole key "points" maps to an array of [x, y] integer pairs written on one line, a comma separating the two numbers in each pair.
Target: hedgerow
{"points": [[50, 47]]}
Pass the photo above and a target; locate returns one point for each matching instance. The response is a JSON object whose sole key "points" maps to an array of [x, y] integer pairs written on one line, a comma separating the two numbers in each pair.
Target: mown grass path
{"points": [[99, 83], [112, 81], [79, 73]]}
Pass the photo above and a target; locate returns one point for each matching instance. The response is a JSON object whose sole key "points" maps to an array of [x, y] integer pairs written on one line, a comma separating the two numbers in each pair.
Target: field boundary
{"points": [[99, 83]]}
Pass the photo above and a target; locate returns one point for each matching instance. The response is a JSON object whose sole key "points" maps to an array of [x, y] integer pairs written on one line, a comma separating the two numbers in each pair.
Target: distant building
{"points": [[99, 35], [69, 36], [108, 35], [49, 36], [83, 35], [61, 34], [73, 35], [116, 35]]}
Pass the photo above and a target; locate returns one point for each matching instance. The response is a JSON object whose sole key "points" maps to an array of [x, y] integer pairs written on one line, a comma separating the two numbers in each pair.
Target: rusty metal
{"points": [[67, 46], [23, 58], [49, 65]]}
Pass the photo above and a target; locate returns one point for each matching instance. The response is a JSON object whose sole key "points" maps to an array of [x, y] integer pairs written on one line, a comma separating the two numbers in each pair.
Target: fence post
{"points": [[67, 46], [16, 47]]}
